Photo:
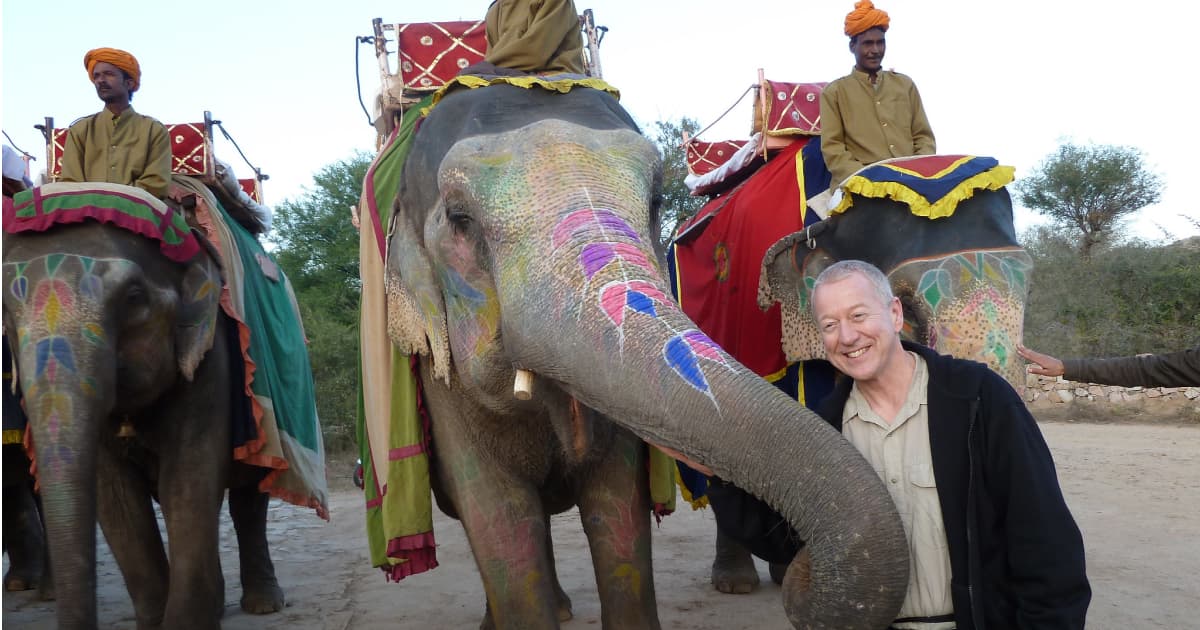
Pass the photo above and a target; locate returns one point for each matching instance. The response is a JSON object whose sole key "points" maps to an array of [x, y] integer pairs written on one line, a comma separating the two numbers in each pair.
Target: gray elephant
{"points": [[521, 239], [24, 536], [124, 358], [962, 279]]}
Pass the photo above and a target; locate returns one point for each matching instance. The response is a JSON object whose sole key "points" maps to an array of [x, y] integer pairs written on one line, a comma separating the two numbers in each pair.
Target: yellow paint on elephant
{"points": [[630, 574], [531, 590], [53, 310]]}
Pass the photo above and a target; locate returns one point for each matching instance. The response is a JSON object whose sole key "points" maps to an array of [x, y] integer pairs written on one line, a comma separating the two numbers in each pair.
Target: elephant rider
{"points": [[1172, 369], [992, 543], [871, 114], [534, 36], [117, 145], [15, 177]]}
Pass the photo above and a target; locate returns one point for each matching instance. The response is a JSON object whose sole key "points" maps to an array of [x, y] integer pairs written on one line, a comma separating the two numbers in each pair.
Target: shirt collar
{"points": [[918, 394]]}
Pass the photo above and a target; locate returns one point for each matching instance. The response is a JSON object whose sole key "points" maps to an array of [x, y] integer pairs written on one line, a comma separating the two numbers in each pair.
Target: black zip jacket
{"points": [[1016, 554]]}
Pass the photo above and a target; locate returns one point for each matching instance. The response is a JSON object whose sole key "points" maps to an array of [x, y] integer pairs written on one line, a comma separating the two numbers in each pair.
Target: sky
{"points": [[1011, 80]]}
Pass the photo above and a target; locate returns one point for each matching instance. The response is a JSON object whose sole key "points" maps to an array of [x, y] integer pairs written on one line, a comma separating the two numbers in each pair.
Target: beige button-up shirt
{"points": [[863, 122], [129, 149], [900, 453]]}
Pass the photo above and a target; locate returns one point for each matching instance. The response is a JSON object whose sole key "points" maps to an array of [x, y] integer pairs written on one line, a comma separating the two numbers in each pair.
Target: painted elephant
{"points": [[521, 239], [963, 279], [124, 359]]}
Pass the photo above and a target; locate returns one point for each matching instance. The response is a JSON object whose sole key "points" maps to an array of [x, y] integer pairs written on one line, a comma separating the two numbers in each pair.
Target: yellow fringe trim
{"points": [[557, 85], [994, 178], [697, 504], [14, 436]]}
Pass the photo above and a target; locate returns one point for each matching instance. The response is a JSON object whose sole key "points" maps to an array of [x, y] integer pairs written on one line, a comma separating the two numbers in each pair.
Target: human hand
{"points": [[1044, 364]]}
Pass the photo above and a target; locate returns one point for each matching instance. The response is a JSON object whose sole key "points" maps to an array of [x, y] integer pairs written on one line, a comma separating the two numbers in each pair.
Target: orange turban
{"points": [[865, 17], [118, 58]]}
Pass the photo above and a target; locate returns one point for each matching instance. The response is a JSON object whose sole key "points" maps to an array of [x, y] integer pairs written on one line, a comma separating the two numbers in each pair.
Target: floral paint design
{"points": [[612, 244]]}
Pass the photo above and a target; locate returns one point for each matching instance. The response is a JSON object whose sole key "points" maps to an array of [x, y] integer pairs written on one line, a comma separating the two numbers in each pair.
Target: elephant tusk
{"points": [[523, 384]]}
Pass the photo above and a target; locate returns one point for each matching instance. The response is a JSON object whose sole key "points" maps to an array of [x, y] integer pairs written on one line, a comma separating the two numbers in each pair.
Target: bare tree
{"points": [[1091, 189]]}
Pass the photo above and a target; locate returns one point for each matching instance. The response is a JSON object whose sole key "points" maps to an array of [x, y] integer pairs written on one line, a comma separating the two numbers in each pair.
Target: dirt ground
{"points": [[1134, 489]]}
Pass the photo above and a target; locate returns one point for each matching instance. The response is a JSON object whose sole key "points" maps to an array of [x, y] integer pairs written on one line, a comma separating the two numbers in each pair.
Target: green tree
{"points": [[1090, 189], [678, 204], [317, 247]]}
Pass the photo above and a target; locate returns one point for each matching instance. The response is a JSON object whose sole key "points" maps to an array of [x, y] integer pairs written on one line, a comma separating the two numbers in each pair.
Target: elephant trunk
{"points": [[66, 411], [621, 346]]}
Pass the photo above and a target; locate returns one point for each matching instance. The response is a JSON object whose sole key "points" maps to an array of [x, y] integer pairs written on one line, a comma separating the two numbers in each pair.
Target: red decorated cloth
{"points": [[704, 157], [432, 53], [718, 254], [792, 108]]}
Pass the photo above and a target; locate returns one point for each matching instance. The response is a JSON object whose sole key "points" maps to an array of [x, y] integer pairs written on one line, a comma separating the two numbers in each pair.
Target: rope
{"points": [[14, 145], [735, 104], [361, 39], [257, 171]]}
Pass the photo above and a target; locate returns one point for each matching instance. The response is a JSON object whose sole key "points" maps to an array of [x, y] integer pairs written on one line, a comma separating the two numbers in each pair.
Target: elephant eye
{"points": [[458, 217]]}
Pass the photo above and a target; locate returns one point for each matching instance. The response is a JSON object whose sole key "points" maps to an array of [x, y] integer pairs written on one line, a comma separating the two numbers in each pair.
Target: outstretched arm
{"points": [[1043, 364]]}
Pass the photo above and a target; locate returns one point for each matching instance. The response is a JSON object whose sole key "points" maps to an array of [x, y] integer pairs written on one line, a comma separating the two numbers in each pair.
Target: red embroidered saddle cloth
{"points": [[191, 154], [784, 109], [705, 157], [432, 53]]}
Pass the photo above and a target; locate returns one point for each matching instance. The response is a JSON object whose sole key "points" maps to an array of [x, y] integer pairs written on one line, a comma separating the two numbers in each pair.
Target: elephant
{"points": [[125, 361], [521, 239], [962, 279]]}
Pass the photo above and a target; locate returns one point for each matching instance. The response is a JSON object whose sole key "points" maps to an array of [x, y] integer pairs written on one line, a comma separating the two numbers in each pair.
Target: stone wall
{"points": [[1048, 390]]}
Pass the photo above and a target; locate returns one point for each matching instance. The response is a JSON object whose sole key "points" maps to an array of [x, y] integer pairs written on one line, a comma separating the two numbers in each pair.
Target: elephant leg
{"points": [[614, 506], [24, 541], [564, 602], [733, 569], [126, 517], [191, 491], [260, 590]]}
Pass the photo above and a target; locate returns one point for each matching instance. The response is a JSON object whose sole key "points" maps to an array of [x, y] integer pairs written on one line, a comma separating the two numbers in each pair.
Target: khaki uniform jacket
{"points": [[129, 149], [539, 36], [861, 124]]}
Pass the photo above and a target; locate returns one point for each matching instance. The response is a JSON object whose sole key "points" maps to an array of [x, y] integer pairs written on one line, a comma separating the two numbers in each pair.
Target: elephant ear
{"points": [[200, 300], [788, 271], [416, 313]]}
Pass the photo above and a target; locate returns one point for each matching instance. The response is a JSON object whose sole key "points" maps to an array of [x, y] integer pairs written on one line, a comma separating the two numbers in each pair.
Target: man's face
{"points": [[868, 49], [111, 84], [860, 331]]}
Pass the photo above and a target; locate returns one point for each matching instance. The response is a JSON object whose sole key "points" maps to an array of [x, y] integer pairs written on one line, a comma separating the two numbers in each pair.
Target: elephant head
{"points": [[962, 279], [102, 324], [521, 238]]}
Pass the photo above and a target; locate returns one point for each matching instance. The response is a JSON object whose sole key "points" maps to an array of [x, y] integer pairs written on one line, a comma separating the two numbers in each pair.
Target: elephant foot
{"points": [[263, 599], [733, 569], [46, 591], [778, 570], [564, 611], [19, 581]]}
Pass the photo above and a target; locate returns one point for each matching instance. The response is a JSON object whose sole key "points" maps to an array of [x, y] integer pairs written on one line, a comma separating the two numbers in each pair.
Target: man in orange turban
{"points": [[871, 114], [117, 145]]}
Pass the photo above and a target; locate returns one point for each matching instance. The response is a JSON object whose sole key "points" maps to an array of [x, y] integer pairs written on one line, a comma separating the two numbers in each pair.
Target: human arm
{"points": [[72, 159], [838, 159], [1172, 369], [1043, 364], [157, 174], [922, 132], [1044, 568]]}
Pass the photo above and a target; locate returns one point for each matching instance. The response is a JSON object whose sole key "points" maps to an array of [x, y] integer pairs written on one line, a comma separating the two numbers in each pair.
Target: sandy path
{"points": [[1134, 489]]}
